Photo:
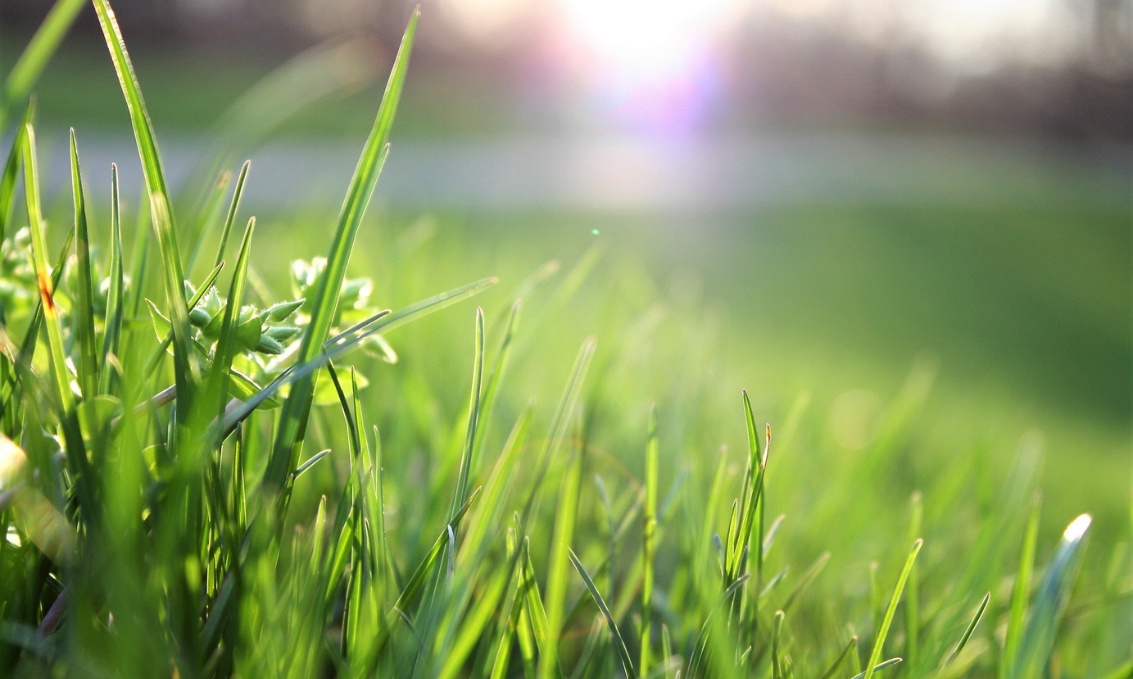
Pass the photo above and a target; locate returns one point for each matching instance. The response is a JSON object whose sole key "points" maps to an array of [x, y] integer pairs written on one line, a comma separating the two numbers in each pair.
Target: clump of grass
{"points": [[152, 484]]}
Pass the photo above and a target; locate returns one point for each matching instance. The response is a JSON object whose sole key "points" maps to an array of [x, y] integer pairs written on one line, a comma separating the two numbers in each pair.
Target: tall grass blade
{"points": [[112, 333], [84, 310], [35, 56], [566, 513], [1050, 602], [883, 632], [298, 404], [619, 641], [466, 458]]}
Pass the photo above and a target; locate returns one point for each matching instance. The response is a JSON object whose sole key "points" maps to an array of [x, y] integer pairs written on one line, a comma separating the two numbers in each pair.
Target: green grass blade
{"points": [[35, 56], [566, 513], [912, 593], [968, 631], [217, 387], [1050, 601], [61, 378], [619, 641], [417, 581], [112, 333], [161, 214], [882, 632], [84, 310], [298, 404], [648, 541], [833, 669], [1016, 619], [776, 634], [877, 668], [230, 219], [466, 458]]}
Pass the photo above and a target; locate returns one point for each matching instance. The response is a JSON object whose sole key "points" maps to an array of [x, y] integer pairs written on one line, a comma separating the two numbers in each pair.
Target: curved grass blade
{"points": [[35, 56], [875, 656], [877, 668], [829, 674], [298, 404], [1050, 601], [968, 631], [619, 641]]}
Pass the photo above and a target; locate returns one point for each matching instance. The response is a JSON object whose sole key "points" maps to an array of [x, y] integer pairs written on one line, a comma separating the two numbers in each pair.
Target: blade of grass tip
{"points": [[466, 460], [35, 56], [666, 647], [230, 219], [968, 631], [566, 514], [12, 172], [84, 310], [912, 592], [298, 403], [217, 387], [1016, 619], [381, 322], [829, 673], [496, 377], [46, 289], [875, 656], [619, 641], [877, 668], [74, 446], [1050, 601], [160, 204], [648, 540]]}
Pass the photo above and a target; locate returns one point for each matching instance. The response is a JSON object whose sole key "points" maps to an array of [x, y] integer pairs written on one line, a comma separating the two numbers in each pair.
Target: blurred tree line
{"points": [[771, 70]]}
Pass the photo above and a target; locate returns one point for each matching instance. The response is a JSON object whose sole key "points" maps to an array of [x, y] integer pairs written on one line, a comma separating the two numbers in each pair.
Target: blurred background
{"points": [[856, 191]]}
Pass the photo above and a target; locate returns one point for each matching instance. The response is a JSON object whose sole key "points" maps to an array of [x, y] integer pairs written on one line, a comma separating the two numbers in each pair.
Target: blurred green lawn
{"points": [[1026, 310]]}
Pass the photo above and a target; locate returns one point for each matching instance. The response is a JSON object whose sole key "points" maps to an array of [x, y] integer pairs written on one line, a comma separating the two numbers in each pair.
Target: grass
{"points": [[213, 469]]}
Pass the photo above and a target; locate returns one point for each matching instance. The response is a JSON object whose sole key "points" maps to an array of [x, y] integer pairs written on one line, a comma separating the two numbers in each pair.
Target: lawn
{"points": [[565, 470]]}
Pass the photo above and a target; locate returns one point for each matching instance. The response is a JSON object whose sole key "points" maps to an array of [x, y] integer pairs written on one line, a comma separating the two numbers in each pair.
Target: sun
{"points": [[646, 38]]}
